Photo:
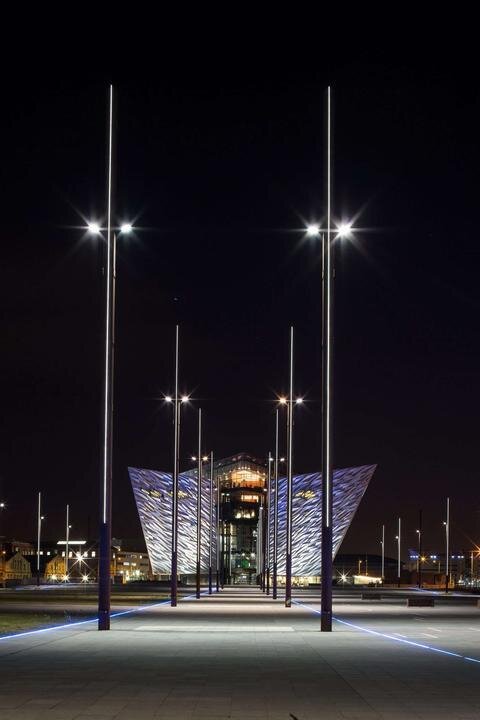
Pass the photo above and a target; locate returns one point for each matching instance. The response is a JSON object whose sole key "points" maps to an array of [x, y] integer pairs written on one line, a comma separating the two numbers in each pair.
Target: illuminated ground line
{"points": [[391, 637], [94, 619]]}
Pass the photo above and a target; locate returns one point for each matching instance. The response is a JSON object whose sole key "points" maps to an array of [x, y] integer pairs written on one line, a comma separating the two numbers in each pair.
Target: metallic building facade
{"points": [[153, 495]]}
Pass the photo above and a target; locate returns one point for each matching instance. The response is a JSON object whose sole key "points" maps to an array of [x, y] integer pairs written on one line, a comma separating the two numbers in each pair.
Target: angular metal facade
{"points": [[152, 490]]}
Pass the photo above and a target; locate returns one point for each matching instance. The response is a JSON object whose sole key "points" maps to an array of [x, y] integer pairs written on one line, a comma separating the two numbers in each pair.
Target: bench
{"points": [[420, 602], [371, 596]]}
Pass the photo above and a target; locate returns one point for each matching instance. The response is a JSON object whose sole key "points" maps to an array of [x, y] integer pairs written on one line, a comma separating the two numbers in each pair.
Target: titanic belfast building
{"points": [[242, 521]]}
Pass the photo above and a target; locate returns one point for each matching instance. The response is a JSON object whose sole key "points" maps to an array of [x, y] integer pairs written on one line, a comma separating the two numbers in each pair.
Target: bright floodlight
{"points": [[313, 230], [299, 401], [205, 458], [185, 398], [344, 230], [168, 398], [126, 228], [193, 458], [94, 228], [282, 400], [85, 578]]}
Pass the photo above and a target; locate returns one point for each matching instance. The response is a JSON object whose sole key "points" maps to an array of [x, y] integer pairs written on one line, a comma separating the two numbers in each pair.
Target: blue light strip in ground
{"points": [[390, 637], [91, 620]]}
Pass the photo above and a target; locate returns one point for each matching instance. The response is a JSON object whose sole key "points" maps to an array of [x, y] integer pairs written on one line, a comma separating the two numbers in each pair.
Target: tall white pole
{"points": [[199, 504], [275, 513], [176, 444], [104, 583], [383, 553], [210, 528], [327, 386], [447, 544], [67, 538], [399, 541], [288, 563], [269, 519], [39, 525], [217, 539]]}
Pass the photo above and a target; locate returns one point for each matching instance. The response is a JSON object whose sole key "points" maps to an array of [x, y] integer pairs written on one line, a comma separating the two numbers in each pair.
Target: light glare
{"points": [[344, 230], [313, 230], [126, 228], [94, 228]]}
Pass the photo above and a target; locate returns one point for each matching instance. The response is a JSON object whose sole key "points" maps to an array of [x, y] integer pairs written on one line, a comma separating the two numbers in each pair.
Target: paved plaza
{"points": [[241, 655]]}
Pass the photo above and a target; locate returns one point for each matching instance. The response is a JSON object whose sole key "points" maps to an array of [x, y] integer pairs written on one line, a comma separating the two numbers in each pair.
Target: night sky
{"points": [[220, 165]]}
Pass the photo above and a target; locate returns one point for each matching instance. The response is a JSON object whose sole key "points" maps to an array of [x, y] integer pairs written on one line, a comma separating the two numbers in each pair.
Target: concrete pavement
{"points": [[240, 655]]}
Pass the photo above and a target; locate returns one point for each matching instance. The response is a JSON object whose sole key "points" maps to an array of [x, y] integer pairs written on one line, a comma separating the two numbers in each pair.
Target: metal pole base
{"points": [[274, 582], [209, 580], [326, 622], [104, 582], [197, 594], [104, 620], [173, 581], [288, 582], [268, 581]]}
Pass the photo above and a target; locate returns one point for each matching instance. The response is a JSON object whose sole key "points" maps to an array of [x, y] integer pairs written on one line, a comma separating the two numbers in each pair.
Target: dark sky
{"points": [[220, 164]]}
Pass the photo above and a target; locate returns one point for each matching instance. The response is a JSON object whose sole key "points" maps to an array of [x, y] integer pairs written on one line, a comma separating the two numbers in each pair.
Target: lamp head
{"points": [[344, 230], [185, 398], [299, 401], [126, 228], [282, 400], [168, 398], [313, 230], [93, 228]]}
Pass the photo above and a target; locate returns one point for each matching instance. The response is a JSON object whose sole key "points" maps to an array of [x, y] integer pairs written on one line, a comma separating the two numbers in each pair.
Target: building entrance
{"points": [[242, 480]]}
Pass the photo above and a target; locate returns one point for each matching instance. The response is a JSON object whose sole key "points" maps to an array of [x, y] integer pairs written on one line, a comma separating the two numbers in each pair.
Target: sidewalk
{"points": [[233, 655]]}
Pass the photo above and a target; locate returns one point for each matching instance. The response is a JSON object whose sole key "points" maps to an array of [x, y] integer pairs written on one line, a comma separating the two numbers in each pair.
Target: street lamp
{"points": [[447, 547], [328, 235], [177, 401], [289, 402], [67, 538], [382, 543], [104, 580], [269, 518], [398, 538], [200, 459], [40, 518]]}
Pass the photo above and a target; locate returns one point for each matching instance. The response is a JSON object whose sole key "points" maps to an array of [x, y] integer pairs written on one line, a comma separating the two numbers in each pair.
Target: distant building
{"points": [[239, 531], [14, 567]]}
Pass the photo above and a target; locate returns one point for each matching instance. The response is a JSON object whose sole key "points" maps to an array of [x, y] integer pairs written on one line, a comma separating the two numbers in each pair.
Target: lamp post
{"points": [[447, 547], [328, 236], [275, 513], [217, 539], [40, 517], [104, 580], [67, 539], [200, 459], [177, 402], [419, 561], [398, 538], [269, 518], [382, 543], [210, 528]]}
